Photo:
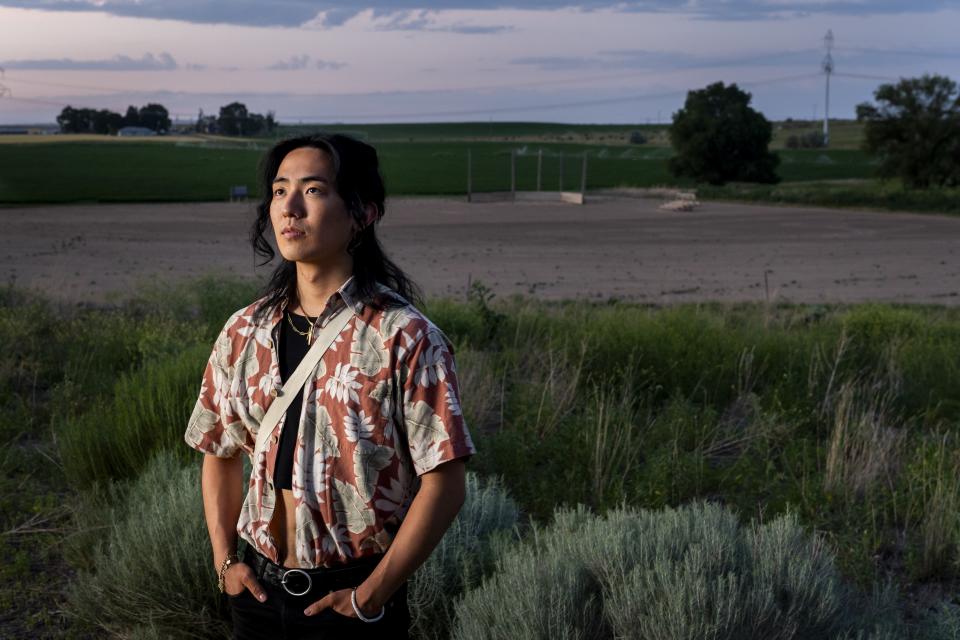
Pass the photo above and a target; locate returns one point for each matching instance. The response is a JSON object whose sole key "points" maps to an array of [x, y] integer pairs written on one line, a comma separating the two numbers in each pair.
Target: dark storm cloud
{"points": [[149, 62], [293, 13]]}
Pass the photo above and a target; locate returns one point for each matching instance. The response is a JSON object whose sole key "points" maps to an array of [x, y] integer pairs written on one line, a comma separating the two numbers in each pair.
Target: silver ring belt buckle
{"points": [[292, 580]]}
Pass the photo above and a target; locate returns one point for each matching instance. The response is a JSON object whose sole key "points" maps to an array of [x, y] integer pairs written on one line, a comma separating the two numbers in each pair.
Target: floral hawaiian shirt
{"points": [[381, 408]]}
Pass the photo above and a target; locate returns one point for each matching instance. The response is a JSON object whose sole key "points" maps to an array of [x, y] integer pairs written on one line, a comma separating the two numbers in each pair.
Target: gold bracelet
{"points": [[229, 560]]}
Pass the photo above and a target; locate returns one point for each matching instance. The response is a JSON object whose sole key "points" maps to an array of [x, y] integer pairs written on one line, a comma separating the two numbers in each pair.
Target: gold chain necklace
{"points": [[309, 332]]}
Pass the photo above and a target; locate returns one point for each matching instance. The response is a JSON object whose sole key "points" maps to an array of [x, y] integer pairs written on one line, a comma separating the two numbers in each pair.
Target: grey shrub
{"points": [[152, 573], [461, 559], [692, 573]]}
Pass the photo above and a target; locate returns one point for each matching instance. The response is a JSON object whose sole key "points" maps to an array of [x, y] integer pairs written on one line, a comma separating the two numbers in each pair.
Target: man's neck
{"points": [[315, 284]]}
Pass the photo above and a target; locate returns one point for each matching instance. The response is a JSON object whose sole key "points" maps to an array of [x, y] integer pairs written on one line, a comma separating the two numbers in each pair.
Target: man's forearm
{"points": [[433, 509], [222, 488]]}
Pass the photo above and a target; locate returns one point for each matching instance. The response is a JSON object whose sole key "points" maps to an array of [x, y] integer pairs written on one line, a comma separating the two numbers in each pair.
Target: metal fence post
{"points": [[561, 172], [539, 169], [583, 176]]}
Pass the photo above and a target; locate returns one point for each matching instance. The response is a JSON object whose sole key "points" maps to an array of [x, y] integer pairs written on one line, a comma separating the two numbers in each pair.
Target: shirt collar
{"points": [[347, 293]]}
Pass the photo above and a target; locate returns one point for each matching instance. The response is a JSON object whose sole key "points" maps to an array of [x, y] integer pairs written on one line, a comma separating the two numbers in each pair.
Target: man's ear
{"points": [[369, 214]]}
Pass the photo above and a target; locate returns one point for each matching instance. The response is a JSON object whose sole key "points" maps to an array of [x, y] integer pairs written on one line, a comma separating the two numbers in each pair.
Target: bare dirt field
{"points": [[610, 247]]}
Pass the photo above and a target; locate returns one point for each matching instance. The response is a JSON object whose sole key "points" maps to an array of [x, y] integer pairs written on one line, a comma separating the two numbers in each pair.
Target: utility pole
{"points": [[827, 69], [4, 90]]}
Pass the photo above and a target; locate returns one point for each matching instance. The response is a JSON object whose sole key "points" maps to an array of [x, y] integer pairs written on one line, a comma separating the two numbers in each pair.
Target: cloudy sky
{"points": [[402, 61]]}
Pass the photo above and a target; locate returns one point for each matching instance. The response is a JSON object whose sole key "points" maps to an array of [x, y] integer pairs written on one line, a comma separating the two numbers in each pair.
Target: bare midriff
{"points": [[283, 527]]}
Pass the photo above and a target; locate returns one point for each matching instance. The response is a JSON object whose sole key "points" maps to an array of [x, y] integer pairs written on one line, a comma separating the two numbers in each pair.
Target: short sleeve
{"points": [[205, 429], [434, 425]]}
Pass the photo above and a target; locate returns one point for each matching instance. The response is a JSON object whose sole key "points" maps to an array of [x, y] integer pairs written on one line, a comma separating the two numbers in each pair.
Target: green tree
{"points": [[234, 119], [89, 120], [915, 130], [132, 117], [72, 120], [106, 121], [718, 138], [154, 116]]}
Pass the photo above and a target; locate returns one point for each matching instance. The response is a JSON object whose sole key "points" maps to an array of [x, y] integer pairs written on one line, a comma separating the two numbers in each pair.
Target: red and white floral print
{"points": [[376, 415]]}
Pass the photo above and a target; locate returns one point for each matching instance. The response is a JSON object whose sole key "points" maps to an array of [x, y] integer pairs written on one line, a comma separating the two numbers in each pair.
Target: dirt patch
{"points": [[611, 247]]}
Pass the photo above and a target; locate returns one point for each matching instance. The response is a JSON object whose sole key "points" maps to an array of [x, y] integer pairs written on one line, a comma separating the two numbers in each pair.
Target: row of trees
{"points": [[151, 116], [914, 130], [234, 120]]}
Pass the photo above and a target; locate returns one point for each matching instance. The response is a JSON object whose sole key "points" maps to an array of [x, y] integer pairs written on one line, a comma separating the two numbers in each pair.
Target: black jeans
{"points": [[281, 616]]}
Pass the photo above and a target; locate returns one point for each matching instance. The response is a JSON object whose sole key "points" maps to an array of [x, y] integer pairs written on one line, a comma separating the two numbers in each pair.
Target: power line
{"points": [[64, 85], [902, 52], [532, 107], [510, 85], [38, 101], [863, 76], [493, 110], [543, 83]]}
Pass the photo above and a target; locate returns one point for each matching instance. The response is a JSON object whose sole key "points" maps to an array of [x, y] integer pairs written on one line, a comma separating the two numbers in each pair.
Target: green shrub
{"points": [[148, 411], [687, 573], [152, 571], [464, 556], [206, 301]]}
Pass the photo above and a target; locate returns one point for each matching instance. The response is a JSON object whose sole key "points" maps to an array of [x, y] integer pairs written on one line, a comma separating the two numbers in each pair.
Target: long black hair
{"points": [[359, 183]]}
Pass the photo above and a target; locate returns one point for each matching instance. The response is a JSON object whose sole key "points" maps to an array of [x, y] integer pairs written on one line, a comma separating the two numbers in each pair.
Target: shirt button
{"points": [[269, 344], [274, 393], [275, 439]]}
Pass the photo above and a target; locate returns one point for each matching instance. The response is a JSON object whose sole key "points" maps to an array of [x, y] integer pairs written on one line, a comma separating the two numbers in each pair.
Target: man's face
{"points": [[310, 219]]}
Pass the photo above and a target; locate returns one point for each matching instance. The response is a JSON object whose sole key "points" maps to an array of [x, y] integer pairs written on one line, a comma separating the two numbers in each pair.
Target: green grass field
{"points": [[151, 172], [431, 159]]}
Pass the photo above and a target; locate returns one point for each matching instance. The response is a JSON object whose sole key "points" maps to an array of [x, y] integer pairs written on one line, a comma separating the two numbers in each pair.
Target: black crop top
{"points": [[292, 347]]}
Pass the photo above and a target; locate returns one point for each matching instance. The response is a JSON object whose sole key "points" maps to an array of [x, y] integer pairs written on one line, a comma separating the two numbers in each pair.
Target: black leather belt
{"points": [[301, 582]]}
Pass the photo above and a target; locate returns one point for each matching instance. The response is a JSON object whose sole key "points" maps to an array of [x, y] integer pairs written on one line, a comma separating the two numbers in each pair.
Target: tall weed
{"points": [[933, 494], [864, 446], [114, 439]]}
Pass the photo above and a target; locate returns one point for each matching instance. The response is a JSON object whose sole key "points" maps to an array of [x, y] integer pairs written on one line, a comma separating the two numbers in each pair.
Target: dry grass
{"points": [[555, 377], [482, 389], [863, 447], [820, 359], [615, 432], [940, 522]]}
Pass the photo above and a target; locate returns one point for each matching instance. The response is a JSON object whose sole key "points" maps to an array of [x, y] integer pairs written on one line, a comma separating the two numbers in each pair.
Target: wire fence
{"points": [[524, 170]]}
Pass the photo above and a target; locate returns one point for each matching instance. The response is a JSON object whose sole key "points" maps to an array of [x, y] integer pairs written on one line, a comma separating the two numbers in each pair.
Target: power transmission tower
{"points": [[4, 90], [827, 69]]}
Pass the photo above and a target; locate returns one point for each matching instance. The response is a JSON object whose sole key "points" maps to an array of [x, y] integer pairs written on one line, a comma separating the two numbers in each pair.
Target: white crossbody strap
{"points": [[325, 338]]}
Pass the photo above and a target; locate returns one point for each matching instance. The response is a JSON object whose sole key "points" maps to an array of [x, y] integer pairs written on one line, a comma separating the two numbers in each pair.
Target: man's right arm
{"points": [[222, 488]]}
